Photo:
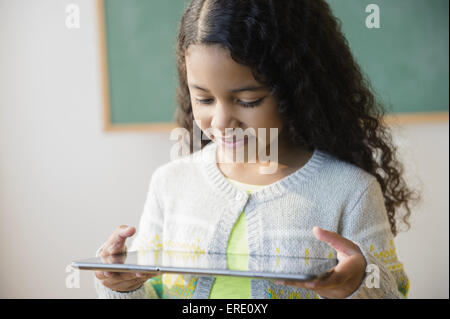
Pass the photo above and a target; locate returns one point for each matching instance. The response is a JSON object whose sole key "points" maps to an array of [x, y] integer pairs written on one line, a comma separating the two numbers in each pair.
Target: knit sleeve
{"points": [[368, 226], [149, 236]]}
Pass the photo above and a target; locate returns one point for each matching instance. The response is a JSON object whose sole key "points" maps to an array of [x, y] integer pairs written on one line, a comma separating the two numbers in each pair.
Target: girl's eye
{"points": [[207, 101], [251, 104], [244, 104]]}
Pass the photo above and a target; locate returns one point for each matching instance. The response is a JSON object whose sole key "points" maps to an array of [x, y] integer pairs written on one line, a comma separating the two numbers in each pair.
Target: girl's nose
{"points": [[222, 119]]}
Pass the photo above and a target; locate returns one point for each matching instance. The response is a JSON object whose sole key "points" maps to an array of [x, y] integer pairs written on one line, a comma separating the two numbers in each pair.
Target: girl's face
{"points": [[224, 94]]}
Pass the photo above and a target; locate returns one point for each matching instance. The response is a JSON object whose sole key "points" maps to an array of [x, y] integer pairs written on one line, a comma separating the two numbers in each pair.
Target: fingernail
{"points": [[106, 274], [278, 282], [309, 285]]}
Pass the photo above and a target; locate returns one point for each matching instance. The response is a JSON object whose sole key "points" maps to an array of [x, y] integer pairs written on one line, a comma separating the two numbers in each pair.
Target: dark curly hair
{"points": [[297, 49]]}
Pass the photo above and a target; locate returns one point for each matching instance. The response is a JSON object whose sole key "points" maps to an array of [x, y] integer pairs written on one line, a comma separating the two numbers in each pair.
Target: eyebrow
{"points": [[245, 88]]}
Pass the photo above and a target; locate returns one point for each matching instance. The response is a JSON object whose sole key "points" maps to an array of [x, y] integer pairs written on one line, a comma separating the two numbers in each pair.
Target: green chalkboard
{"points": [[406, 58], [140, 53]]}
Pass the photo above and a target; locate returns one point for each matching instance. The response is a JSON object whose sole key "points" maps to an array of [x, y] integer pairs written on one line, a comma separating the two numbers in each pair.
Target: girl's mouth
{"points": [[233, 143]]}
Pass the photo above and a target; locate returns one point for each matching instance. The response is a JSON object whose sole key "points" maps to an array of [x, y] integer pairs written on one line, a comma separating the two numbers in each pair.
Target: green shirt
{"points": [[226, 287]]}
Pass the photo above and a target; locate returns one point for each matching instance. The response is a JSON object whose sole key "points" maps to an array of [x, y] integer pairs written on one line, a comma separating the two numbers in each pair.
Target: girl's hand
{"points": [[120, 281], [345, 277]]}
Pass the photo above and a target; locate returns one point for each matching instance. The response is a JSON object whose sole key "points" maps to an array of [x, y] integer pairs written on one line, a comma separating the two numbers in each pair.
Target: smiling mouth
{"points": [[230, 143], [231, 140]]}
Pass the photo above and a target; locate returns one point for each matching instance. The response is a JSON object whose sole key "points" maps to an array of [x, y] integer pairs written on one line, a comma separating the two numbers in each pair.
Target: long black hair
{"points": [[297, 48]]}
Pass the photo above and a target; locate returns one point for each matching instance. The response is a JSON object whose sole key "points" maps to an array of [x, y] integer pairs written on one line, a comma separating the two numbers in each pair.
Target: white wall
{"points": [[65, 184]]}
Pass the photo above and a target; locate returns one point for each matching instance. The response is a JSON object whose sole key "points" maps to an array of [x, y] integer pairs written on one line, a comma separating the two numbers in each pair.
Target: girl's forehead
{"points": [[205, 62], [211, 48], [202, 53]]}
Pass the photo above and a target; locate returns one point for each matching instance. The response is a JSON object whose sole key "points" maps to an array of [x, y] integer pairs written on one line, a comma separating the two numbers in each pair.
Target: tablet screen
{"points": [[205, 264]]}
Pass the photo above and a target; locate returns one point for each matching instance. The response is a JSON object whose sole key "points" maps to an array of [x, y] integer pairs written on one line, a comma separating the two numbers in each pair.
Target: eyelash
{"points": [[244, 104]]}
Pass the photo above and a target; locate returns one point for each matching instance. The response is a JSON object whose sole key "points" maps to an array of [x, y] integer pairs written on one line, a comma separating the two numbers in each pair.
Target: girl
{"points": [[337, 188]]}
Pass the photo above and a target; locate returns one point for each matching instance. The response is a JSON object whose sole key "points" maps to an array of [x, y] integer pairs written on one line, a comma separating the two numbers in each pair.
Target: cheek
{"points": [[200, 118], [197, 114], [270, 118]]}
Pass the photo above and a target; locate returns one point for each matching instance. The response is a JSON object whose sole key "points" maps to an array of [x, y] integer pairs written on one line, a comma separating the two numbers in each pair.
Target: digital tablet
{"points": [[211, 264]]}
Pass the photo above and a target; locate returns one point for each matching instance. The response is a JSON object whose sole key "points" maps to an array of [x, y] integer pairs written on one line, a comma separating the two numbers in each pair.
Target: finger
{"points": [[133, 286], [100, 275], [124, 285], [116, 242], [294, 283], [117, 258], [336, 241], [327, 280], [306, 284], [106, 274], [351, 266], [330, 280], [124, 276], [342, 272], [326, 274], [116, 280]]}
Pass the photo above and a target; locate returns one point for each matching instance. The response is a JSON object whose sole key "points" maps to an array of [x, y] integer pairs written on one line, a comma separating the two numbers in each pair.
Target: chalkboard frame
{"points": [[393, 119]]}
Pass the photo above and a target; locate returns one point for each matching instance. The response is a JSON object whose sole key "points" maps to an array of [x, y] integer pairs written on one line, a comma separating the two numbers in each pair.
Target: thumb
{"points": [[336, 241], [118, 238]]}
